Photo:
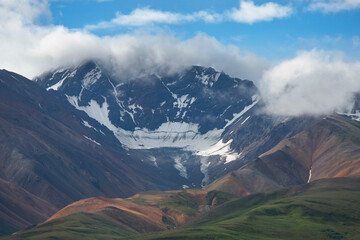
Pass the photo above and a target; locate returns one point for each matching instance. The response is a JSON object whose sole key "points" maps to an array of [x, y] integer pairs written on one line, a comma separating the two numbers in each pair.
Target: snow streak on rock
{"points": [[180, 167]]}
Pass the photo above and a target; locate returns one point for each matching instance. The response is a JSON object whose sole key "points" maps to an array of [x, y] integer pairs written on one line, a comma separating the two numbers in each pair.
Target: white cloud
{"points": [[250, 13], [22, 11], [145, 16], [328, 6], [247, 13], [30, 49], [314, 82]]}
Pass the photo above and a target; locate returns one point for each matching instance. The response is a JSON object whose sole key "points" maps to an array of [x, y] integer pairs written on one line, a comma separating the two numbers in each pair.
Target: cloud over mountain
{"points": [[314, 82], [30, 49]]}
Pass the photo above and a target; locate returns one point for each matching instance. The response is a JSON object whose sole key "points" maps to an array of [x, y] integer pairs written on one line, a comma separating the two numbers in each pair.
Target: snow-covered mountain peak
{"points": [[189, 110]]}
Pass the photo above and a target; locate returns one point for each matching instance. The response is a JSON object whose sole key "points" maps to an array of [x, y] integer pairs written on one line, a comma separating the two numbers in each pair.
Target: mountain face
{"points": [[84, 132], [171, 122], [197, 125], [59, 147], [329, 148], [49, 156], [192, 107]]}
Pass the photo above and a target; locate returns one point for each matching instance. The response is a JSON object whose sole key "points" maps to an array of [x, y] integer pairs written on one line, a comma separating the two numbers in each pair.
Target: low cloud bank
{"points": [[30, 49], [313, 83]]}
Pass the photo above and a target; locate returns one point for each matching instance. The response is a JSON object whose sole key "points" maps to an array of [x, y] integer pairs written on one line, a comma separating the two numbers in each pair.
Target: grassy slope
{"points": [[76, 226], [325, 209], [113, 223]]}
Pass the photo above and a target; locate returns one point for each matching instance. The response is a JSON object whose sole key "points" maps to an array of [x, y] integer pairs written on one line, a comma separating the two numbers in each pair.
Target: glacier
{"points": [[170, 134]]}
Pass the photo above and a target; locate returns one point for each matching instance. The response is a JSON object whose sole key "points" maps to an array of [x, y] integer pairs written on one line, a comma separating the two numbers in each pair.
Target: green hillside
{"points": [[324, 209], [76, 226]]}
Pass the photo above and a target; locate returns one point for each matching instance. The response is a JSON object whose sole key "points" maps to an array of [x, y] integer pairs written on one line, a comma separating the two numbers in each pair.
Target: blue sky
{"points": [[275, 39]]}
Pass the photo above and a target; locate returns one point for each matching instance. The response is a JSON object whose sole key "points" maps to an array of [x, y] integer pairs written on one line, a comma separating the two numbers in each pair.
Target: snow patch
{"points": [[95, 111], [169, 134], [222, 149], [153, 159], [225, 111], [255, 98], [65, 75], [56, 86], [182, 102], [208, 79], [92, 140], [180, 167], [73, 73], [245, 120], [204, 170], [87, 124], [309, 176], [91, 77], [354, 116]]}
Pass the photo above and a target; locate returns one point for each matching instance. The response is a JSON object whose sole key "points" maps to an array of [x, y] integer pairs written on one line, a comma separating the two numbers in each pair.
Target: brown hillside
{"points": [[330, 148]]}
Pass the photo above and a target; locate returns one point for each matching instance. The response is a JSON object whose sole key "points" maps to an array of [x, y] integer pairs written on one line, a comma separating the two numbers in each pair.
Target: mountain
{"points": [[60, 150], [50, 157], [83, 132], [327, 149], [197, 125], [322, 209], [201, 98]]}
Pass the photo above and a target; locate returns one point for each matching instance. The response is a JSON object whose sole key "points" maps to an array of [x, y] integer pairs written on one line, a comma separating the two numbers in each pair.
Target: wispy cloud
{"points": [[145, 16], [250, 13], [333, 6], [247, 13]]}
